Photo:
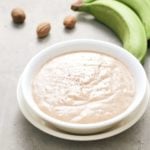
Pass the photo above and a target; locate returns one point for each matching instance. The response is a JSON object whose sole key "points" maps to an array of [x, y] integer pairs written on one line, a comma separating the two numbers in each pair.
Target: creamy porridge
{"points": [[83, 87]]}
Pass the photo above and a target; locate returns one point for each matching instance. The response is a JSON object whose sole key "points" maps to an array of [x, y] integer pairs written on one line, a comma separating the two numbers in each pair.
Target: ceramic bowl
{"points": [[53, 51]]}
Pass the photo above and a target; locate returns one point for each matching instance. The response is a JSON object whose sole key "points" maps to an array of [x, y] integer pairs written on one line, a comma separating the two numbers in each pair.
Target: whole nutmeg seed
{"points": [[69, 22], [43, 29], [18, 15]]}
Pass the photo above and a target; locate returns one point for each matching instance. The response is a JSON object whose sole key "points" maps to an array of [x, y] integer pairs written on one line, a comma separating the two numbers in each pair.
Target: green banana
{"points": [[142, 8], [122, 20]]}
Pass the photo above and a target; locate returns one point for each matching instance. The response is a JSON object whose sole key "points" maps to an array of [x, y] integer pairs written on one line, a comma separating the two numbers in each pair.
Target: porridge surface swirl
{"points": [[83, 87]]}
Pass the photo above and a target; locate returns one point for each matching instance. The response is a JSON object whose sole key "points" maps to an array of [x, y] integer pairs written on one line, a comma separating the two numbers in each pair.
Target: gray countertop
{"points": [[18, 43]]}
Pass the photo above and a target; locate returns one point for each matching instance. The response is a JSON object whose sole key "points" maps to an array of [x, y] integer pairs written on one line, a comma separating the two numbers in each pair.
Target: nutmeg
{"points": [[43, 29], [69, 22], [18, 15]]}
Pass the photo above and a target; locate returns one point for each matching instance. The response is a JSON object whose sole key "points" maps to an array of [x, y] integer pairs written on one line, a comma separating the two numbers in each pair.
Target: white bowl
{"points": [[125, 57]]}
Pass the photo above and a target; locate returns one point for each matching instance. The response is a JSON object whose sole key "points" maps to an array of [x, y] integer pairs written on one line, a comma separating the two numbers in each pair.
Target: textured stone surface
{"points": [[18, 43]]}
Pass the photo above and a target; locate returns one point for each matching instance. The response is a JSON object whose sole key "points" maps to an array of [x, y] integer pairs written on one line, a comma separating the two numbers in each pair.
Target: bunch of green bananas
{"points": [[129, 19]]}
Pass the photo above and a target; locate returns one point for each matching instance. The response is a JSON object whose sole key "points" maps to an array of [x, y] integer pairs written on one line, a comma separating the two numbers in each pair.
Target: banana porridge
{"points": [[83, 87]]}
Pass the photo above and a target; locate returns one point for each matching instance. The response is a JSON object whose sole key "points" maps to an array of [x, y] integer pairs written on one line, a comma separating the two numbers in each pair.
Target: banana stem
{"points": [[80, 5], [76, 6], [88, 1]]}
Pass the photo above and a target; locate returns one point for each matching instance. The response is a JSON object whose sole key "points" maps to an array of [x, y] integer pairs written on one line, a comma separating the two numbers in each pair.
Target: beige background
{"points": [[17, 46]]}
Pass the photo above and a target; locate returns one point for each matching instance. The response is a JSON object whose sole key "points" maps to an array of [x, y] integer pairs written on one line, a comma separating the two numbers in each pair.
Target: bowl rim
{"points": [[55, 121]]}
